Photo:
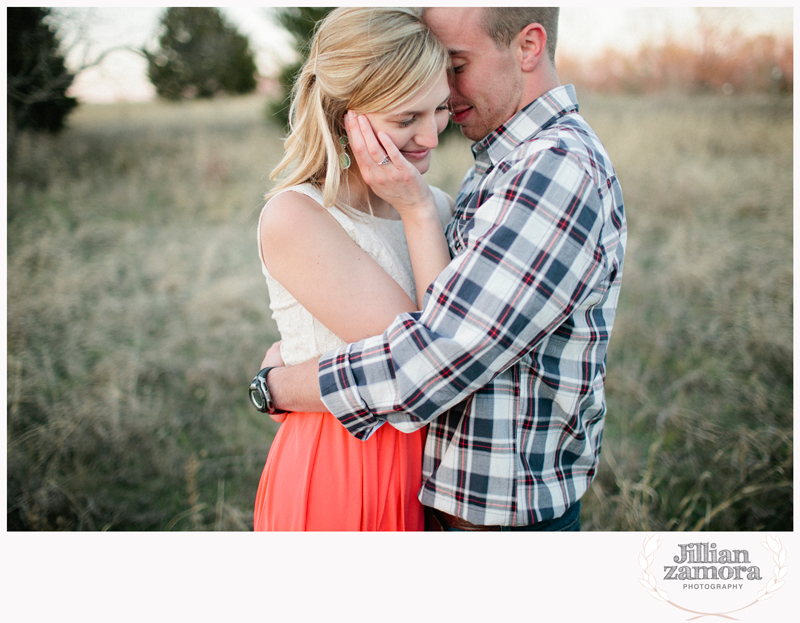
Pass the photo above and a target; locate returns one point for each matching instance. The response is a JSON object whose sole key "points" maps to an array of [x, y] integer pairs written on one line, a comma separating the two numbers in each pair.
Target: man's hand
{"points": [[273, 357]]}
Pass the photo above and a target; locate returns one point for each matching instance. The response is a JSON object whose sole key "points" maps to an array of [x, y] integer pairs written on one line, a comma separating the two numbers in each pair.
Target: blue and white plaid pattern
{"points": [[507, 358]]}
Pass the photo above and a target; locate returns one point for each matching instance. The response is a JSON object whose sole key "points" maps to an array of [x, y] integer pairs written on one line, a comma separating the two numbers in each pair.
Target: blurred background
{"points": [[140, 143]]}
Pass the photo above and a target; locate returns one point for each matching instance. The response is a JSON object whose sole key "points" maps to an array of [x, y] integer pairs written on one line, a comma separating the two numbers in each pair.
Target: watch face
{"points": [[257, 399], [257, 396], [259, 392]]}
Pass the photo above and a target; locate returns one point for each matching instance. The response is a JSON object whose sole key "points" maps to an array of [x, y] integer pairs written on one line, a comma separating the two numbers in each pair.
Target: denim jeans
{"points": [[570, 521]]}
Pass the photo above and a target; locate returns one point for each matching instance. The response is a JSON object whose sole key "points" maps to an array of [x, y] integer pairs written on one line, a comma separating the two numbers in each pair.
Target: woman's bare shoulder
{"points": [[288, 216], [289, 207]]}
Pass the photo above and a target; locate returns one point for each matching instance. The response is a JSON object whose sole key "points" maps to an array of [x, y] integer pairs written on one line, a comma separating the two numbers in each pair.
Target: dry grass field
{"points": [[137, 315]]}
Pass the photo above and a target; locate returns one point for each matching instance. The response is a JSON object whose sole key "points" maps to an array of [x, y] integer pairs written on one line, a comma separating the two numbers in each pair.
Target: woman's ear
{"points": [[532, 46]]}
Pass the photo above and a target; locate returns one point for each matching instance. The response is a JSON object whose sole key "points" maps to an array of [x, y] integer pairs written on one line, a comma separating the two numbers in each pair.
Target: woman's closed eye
{"points": [[407, 122]]}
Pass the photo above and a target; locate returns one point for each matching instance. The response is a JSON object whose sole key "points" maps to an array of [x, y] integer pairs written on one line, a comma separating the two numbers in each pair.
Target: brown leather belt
{"points": [[456, 523], [437, 521]]}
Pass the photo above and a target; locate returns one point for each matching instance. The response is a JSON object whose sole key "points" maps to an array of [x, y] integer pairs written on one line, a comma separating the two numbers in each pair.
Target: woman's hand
{"points": [[397, 181], [400, 184]]}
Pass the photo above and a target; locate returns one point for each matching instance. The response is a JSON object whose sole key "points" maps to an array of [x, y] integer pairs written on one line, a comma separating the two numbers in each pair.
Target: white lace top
{"points": [[303, 336]]}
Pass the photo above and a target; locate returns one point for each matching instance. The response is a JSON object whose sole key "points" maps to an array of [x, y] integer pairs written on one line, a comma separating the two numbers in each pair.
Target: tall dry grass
{"points": [[699, 426], [137, 315]]}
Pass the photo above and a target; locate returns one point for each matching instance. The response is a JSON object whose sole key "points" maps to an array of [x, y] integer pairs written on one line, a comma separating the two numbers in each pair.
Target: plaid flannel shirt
{"points": [[507, 358]]}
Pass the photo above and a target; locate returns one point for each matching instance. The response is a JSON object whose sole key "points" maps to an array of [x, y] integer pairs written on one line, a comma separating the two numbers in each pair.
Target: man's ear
{"points": [[532, 46]]}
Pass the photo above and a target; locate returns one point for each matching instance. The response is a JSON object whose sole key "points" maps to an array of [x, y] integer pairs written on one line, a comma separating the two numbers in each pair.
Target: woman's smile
{"points": [[419, 154]]}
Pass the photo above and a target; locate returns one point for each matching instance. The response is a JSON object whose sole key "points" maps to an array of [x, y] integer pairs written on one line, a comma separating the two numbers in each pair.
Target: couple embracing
{"points": [[442, 362]]}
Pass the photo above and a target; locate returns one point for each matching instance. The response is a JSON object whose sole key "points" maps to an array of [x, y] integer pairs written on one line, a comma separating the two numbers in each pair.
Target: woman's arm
{"points": [[309, 253], [401, 185], [427, 248]]}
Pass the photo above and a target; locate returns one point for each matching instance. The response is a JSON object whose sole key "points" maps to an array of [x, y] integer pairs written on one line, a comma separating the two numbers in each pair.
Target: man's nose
{"points": [[451, 82]]}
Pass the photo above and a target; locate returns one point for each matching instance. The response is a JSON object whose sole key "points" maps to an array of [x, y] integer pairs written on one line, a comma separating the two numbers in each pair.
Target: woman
{"points": [[338, 257]]}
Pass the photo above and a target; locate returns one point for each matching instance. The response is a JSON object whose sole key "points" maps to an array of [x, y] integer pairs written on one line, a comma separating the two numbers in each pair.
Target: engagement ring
{"points": [[385, 160]]}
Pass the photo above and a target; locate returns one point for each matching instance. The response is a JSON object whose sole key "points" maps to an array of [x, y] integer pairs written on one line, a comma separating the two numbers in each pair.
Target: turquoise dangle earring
{"points": [[344, 159]]}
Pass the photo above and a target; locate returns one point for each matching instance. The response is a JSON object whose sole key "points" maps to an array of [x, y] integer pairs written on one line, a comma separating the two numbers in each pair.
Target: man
{"points": [[506, 360]]}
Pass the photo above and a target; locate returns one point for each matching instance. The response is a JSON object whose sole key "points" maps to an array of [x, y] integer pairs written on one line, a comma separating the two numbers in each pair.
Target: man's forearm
{"points": [[296, 388]]}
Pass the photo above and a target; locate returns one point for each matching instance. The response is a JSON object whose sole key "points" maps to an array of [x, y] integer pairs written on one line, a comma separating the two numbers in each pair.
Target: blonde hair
{"points": [[361, 59], [502, 24]]}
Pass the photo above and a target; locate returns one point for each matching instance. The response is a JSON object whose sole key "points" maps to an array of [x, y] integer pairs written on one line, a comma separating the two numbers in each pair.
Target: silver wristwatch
{"points": [[259, 393]]}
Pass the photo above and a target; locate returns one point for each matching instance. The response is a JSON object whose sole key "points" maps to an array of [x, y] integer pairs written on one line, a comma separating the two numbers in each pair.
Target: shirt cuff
{"points": [[340, 395]]}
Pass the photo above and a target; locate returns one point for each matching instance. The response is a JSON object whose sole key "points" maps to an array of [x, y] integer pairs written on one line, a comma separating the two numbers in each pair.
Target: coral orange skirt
{"points": [[319, 477]]}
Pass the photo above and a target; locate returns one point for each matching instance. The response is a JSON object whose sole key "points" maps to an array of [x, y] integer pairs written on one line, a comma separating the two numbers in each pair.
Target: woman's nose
{"points": [[428, 136]]}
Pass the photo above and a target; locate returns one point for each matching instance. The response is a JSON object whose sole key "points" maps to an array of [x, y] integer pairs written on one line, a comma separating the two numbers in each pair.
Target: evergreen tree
{"points": [[300, 22], [200, 55], [37, 77]]}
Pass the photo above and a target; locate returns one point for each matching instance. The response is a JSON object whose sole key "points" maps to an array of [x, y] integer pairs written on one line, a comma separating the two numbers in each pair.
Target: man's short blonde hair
{"points": [[502, 24]]}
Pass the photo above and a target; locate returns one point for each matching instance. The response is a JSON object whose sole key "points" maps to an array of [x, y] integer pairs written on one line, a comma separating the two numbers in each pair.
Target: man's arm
{"points": [[532, 256], [296, 388]]}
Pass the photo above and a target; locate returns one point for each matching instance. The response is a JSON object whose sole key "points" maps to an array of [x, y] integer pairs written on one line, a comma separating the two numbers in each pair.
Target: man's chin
{"points": [[471, 134]]}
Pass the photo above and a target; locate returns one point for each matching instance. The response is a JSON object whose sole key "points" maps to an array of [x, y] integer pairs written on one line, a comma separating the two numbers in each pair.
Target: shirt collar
{"points": [[537, 115]]}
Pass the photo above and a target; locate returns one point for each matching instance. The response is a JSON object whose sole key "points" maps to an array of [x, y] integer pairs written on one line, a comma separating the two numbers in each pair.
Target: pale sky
{"points": [[583, 31]]}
